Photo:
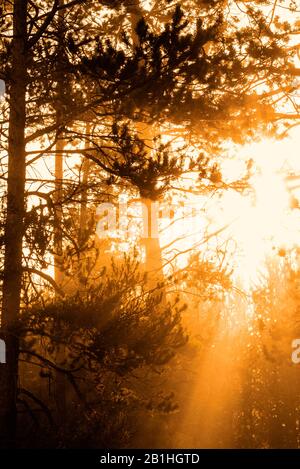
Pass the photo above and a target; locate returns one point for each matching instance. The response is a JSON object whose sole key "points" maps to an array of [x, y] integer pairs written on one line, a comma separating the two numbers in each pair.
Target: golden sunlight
{"points": [[149, 228]]}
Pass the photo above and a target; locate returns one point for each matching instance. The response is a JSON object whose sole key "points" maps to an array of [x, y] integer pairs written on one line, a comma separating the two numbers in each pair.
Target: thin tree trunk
{"points": [[60, 388], [86, 164], [83, 217], [60, 381], [58, 269], [12, 274], [60, 145]]}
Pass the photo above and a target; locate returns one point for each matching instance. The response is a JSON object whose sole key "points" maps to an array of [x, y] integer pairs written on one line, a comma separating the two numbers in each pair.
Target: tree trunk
{"points": [[60, 388], [150, 240], [60, 381], [14, 226], [86, 165], [83, 214], [60, 385], [60, 145], [58, 269]]}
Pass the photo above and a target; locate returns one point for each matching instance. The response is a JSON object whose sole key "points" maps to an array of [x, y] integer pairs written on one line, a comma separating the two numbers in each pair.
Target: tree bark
{"points": [[14, 226]]}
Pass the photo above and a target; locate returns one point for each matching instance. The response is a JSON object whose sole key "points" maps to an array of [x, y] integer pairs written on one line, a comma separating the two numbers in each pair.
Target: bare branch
{"points": [[46, 277], [44, 26]]}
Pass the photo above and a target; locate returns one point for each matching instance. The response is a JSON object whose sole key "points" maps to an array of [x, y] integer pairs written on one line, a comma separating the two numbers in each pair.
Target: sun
{"points": [[262, 222], [265, 222]]}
